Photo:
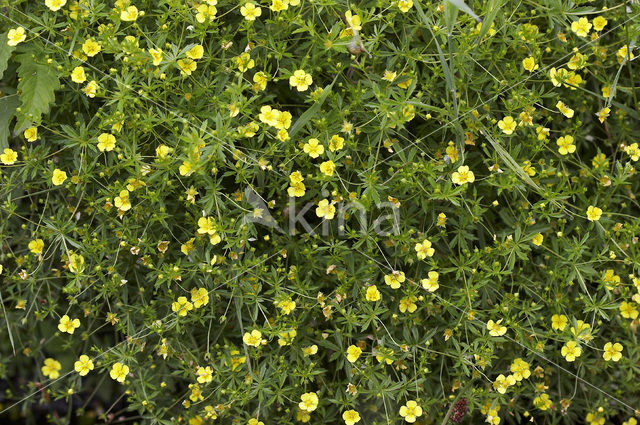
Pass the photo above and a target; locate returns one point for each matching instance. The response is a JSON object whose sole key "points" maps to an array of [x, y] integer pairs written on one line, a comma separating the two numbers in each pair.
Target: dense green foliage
{"points": [[319, 211]]}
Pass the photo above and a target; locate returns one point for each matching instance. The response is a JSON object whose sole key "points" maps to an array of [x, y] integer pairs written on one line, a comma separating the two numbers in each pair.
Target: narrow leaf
{"points": [[313, 110], [460, 4]]}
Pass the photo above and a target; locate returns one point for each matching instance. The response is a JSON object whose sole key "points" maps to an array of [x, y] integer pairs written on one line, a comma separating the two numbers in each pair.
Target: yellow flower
{"points": [[325, 209], [507, 125], [350, 417], [254, 421], [577, 61], [542, 402], [279, 5], [55, 5], [559, 322], [581, 27], [599, 23], [51, 368], [250, 11], [353, 353], [603, 114], [411, 411], [565, 145], [389, 75], [408, 304], [91, 47], [106, 142], [297, 190], [119, 372], [624, 53], [442, 220], [156, 55], [68, 325], [372, 294], [76, 263], [196, 52], [610, 279], [182, 306], [495, 328], [308, 402], [260, 79], [283, 120], [395, 279], [253, 339], [537, 239], [463, 176], [31, 134], [452, 151], [542, 132], [327, 168], [207, 226], [83, 365], [566, 111], [633, 151], [405, 5], [187, 66], [300, 80], [78, 75], [244, 62], [593, 213], [336, 143], [296, 177], [36, 246], [16, 36], [582, 330], [310, 350], [268, 115], [129, 14], [313, 148], [122, 202], [502, 383], [199, 297], [520, 369], [628, 310], [612, 352], [206, 13], [90, 90], [529, 64], [431, 283], [571, 350], [286, 306], [186, 168], [424, 250], [8, 157], [353, 21], [303, 416], [204, 374]]}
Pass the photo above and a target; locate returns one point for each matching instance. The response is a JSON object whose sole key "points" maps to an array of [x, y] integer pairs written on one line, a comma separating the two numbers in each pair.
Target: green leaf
{"points": [[37, 90], [5, 53], [493, 6], [309, 113], [460, 4], [8, 105], [450, 15]]}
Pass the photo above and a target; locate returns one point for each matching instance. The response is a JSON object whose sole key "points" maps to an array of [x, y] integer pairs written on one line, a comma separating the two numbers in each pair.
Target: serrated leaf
{"points": [[8, 105], [37, 90], [5, 53]]}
